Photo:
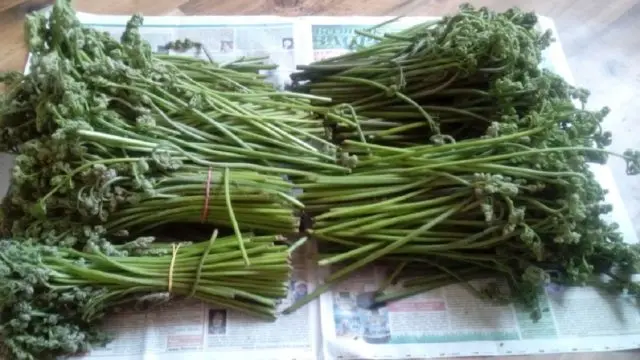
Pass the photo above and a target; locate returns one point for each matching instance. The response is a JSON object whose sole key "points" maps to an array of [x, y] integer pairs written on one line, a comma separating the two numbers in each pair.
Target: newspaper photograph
{"points": [[434, 324], [445, 322]]}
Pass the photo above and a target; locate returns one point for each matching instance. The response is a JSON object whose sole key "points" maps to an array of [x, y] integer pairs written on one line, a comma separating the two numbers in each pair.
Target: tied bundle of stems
{"points": [[439, 213], [450, 77], [140, 195], [510, 196], [54, 299], [102, 126]]}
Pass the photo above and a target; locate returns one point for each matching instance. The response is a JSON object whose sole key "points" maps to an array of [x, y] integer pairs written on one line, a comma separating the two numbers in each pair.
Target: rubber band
{"points": [[213, 238], [174, 249], [207, 192]]}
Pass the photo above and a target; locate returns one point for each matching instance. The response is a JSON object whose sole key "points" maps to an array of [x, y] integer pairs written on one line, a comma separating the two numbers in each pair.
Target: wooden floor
{"points": [[601, 39]]}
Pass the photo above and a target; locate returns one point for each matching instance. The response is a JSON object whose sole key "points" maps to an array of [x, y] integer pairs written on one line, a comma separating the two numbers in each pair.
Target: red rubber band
{"points": [[207, 191]]}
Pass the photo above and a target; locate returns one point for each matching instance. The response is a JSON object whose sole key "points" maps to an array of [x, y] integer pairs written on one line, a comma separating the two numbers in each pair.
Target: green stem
{"points": [[232, 216]]}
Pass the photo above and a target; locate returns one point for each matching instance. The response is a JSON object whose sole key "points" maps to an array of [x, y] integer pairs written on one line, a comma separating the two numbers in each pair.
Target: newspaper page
{"points": [[442, 323], [451, 321]]}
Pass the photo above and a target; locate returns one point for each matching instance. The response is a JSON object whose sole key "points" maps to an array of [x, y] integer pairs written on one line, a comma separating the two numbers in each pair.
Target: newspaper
{"points": [[446, 322]]}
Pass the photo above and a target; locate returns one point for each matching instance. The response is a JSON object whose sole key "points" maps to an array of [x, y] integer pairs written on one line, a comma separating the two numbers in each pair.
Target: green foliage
{"points": [[53, 300], [41, 320], [445, 149], [108, 133], [510, 191]]}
